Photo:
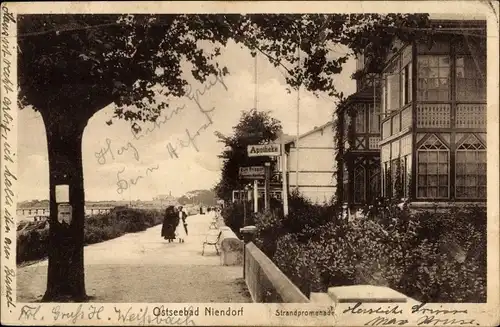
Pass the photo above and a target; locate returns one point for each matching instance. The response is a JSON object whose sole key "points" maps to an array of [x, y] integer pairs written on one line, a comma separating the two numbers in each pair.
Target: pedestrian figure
{"points": [[181, 226], [169, 224], [184, 222]]}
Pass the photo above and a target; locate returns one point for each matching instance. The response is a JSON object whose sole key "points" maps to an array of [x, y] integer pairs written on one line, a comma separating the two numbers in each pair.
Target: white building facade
{"points": [[316, 164]]}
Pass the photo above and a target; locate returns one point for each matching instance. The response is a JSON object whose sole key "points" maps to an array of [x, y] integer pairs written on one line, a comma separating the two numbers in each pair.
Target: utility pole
{"points": [[266, 186], [298, 120], [255, 196], [245, 199], [284, 193]]}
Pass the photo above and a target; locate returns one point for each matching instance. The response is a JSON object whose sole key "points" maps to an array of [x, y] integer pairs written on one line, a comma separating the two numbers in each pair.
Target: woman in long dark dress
{"points": [[169, 224]]}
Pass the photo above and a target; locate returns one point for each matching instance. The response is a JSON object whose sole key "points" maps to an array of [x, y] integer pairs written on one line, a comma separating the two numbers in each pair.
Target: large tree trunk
{"points": [[65, 279]]}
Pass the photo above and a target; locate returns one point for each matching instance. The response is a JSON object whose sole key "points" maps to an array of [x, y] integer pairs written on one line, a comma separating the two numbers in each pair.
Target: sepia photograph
{"points": [[229, 157]]}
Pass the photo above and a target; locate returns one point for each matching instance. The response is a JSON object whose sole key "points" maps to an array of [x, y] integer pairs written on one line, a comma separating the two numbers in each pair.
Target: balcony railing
{"points": [[471, 115], [373, 142], [433, 115]]}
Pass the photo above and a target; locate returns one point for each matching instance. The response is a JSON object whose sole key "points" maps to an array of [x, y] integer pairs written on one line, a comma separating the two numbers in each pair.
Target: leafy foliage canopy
{"points": [[254, 127], [74, 65]]}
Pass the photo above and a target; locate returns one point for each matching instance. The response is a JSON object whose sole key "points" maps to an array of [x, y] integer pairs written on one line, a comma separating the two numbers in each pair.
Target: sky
{"points": [[120, 166]]}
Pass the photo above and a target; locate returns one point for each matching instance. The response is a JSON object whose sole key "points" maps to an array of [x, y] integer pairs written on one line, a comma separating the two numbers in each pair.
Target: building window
{"points": [[392, 87], [359, 184], [374, 182], [433, 78], [407, 176], [360, 118], [396, 124], [345, 182], [374, 118], [398, 177], [345, 132], [471, 169], [406, 80], [433, 169], [387, 184], [471, 78], [386, 129]]}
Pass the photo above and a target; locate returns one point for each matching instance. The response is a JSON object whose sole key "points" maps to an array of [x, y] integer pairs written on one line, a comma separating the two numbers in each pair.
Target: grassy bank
{"points": [[32, 239]]}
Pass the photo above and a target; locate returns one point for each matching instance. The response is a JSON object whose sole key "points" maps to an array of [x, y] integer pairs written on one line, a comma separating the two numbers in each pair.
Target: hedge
{"points": [[432, 257], [32, 241]]}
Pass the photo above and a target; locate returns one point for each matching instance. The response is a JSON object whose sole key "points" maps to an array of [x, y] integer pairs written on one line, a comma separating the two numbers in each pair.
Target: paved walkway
{"points": [[142, 267]]}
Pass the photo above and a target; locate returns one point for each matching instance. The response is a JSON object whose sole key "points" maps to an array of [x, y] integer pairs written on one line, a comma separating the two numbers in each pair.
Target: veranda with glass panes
{"points": [[360, 116], [434, 125]]}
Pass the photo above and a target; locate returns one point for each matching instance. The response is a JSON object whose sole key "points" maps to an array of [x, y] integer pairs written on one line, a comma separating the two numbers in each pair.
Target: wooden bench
{"points": [[213, 242]]}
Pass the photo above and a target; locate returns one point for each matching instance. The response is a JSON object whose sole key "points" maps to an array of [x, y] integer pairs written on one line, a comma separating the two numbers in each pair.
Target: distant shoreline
{"points": [[133, 204]]}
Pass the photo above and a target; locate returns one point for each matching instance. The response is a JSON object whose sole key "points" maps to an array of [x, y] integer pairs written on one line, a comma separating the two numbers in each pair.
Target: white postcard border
{"points": [[254, 314]]}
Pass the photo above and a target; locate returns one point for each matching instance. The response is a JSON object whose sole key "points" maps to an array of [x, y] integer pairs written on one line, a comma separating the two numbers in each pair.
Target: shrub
{"points": [[32, 245], [304, 220], [269, 228], [233, 215], [451, 257], [303, 215], [433, 257], [437, 277], [293, 259]]}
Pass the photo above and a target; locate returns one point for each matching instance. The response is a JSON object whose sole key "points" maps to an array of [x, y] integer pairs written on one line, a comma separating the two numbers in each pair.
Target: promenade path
{"points": [[143, 267]]}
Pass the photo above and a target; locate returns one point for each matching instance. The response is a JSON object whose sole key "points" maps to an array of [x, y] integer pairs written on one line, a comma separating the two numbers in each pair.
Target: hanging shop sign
{"points": [[262, 150], [253, 172]]}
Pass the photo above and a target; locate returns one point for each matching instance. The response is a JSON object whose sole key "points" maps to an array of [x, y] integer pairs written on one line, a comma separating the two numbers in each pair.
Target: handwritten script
{"points": [[102, 154], [189, 140], [137, 132], [94, 312], [441, 317], [60, 314], [109, 152], [145, 316], [6, 124], [393, 315], [122, 184]]}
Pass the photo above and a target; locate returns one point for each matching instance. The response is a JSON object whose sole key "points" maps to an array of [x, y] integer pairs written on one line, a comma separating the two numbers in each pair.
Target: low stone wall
{"points": [[266, 282], [361, 294], [231, 248]]}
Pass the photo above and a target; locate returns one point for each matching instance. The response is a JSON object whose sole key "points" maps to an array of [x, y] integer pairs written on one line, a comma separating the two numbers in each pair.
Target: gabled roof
{"points": [[314, 130], [446, 25], [287, 138]]}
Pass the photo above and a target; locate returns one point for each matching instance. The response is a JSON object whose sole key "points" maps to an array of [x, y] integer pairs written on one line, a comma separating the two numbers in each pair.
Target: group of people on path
{"points": [[174, 224]]}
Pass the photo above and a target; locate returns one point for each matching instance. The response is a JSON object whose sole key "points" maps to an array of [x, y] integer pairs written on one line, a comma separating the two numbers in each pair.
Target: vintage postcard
{"points": [[250, 163]]}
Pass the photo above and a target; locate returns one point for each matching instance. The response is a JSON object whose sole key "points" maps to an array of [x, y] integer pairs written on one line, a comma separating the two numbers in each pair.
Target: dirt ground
{"points": [[142, 267]]}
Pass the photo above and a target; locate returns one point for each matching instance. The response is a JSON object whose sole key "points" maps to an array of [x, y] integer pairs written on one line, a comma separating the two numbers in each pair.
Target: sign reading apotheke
{"points": [[253, 172], [262, 150]]}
